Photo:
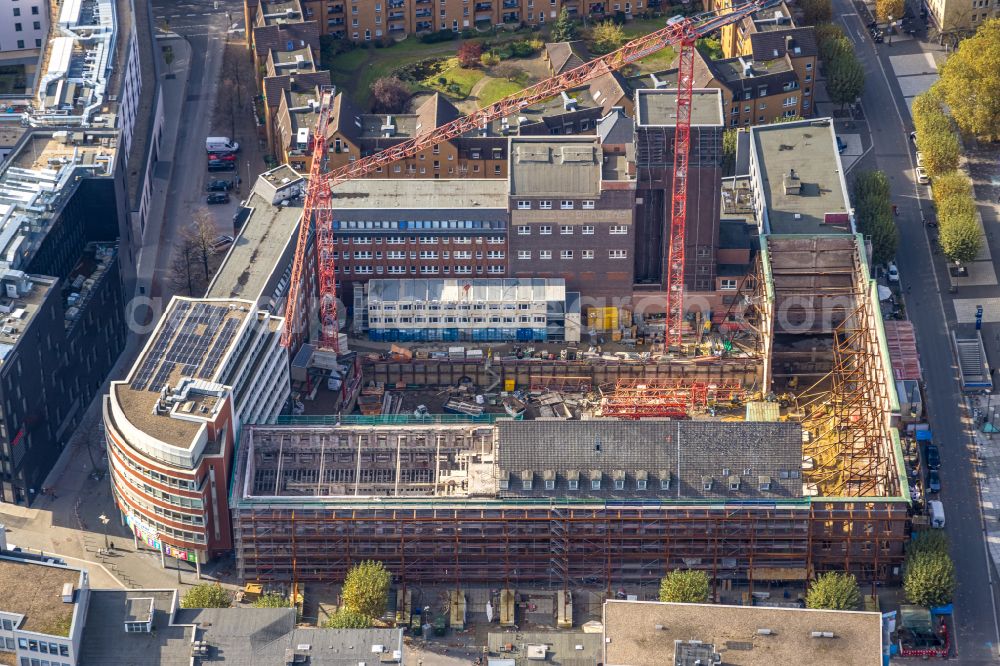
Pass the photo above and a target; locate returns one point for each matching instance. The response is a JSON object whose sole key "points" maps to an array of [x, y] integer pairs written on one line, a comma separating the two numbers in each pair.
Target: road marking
{"points": [[860, 157], [937, 284]]}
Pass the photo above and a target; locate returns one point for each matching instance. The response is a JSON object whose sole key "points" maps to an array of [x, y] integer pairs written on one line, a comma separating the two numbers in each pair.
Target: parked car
{"points": [[221, 242], [922, 176], [217, 198], [893, 273], [219, 186], [932, 457], [920, 159], [221, 165], [229, 157], [840, 145], [913, 138], [933, 481]]}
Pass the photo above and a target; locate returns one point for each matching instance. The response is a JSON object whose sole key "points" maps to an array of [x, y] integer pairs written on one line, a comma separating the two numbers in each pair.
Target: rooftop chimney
{"points": [[792, 183]]}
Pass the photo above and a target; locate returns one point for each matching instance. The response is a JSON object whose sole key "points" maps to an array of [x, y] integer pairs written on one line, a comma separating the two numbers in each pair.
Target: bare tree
{"points": [[509, 71], [202, 235], [183, 274]]}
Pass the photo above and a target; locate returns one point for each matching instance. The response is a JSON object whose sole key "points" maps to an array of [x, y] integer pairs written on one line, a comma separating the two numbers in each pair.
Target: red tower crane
{"points": [[679, 32]]}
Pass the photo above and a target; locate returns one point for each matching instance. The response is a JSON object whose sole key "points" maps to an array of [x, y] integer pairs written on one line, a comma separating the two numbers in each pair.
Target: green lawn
{"points": [[355, 71], [497, 89], [454, 75]]}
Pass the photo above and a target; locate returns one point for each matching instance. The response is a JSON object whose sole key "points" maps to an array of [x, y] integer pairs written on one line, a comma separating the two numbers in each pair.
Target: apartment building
{"points": [[420, 228], [287, 74], [960, 16], [571, 214], [735, 37], [210, 366], [367, 20], [353, 135], [278, 25], [775, 82]]}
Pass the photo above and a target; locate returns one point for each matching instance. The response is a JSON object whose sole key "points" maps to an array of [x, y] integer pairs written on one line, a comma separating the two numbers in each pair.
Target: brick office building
{"points": [[419, 228], [571, 212]]}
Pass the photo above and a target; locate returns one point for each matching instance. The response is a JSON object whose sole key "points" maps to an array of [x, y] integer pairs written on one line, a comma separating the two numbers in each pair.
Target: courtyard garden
{"points": [[477, 67]]}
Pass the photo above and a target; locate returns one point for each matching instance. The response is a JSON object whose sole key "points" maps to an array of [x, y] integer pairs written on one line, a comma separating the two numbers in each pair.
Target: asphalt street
{"points": [[205, 24], [925, 283]]}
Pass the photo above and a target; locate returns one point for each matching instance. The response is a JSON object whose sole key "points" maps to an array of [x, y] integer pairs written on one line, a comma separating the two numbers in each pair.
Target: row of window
{"points": [[424, 254], [44, 647], [568, 254], [427, 240], [150, 507], [523, 319], [173, 482], [415, 224], [424, 270], [462, 307], [163, 528], [41, 662], [565, 204], [569, 230]]}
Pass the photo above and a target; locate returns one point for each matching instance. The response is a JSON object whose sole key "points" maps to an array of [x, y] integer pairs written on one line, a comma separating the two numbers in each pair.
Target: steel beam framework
{"points": [[666, 398]]}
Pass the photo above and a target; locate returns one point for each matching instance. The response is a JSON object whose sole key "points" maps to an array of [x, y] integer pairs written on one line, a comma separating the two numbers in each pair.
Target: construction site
{"points": [[757, 441], [773, 458]]}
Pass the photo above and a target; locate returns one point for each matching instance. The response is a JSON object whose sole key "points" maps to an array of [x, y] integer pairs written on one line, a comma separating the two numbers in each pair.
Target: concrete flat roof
{"points": [[809, 149], [553, 166], [420, 193], [256, 250], [643, 633], [22, 311], [658, 108], [34, 590]]}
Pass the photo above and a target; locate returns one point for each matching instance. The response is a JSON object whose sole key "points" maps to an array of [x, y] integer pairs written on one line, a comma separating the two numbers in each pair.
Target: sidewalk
{"points": [[174, 93]]}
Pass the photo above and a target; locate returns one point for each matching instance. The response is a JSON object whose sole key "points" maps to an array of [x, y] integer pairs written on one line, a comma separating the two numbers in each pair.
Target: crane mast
{"points": [[316, 213], [679, 32]]}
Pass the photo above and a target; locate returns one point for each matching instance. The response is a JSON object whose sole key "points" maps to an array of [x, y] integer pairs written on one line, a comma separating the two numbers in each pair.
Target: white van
{"points": [[221, 144], [937, 513]]}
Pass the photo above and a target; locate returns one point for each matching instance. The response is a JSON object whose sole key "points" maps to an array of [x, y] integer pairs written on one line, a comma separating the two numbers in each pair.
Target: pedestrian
{"points": [[895, 210], [112, 545]]}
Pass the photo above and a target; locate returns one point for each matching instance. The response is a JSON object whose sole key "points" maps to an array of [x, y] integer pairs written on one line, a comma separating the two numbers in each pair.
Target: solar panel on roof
{"points": [[211, 363]]}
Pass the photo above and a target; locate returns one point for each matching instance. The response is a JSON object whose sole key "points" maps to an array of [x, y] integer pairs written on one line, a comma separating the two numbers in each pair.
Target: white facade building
{"points": [[43, 607], [500, 309], [24, 25]]}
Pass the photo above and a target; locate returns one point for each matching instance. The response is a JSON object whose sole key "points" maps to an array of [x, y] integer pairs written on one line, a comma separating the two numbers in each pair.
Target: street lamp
{"points": [[104, 521]]}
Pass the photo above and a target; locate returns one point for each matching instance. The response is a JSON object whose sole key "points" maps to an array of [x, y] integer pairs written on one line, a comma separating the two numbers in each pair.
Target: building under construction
{"points": [[774, 465]]}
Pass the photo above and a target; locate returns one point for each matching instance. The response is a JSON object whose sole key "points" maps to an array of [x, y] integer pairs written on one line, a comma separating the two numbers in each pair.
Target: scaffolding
{"points": [[849, 453], [424, 498]]}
